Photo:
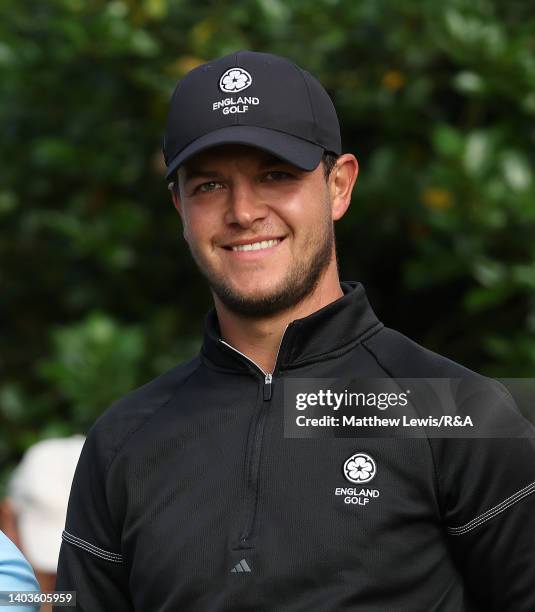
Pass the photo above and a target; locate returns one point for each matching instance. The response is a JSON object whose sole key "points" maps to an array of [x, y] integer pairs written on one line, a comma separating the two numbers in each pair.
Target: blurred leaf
{"points": [[469, 82], [447, 140], [478, 152], [516, 170], [12, 404], [87, 353]]}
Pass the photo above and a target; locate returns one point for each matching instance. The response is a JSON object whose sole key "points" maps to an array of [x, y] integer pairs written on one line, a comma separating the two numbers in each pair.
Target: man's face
{"points": [[260, 229]]}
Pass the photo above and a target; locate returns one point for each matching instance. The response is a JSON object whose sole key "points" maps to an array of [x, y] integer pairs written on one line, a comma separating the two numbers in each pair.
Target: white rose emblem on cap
{"points": [[234, 80], [359, 468]]}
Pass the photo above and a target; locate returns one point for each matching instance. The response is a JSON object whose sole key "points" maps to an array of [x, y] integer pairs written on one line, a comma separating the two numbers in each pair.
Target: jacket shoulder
{"points": [[125, 416], [401, 357]]}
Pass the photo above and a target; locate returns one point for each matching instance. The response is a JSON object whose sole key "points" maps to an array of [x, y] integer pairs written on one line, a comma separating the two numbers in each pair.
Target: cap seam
{"points": [[236, 116]]}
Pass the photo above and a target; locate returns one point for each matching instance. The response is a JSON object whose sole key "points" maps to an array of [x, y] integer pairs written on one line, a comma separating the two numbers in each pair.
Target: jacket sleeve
{"points": [[90, 561], [487, 487]]}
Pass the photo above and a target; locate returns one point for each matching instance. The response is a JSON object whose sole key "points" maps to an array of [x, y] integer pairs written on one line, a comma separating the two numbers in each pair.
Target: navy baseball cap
{"points": [[256, 99]]}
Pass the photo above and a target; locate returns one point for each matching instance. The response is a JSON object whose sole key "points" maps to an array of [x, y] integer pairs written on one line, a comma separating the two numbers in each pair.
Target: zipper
{"points": [[268, 386], [254, 450], [268, 376]]}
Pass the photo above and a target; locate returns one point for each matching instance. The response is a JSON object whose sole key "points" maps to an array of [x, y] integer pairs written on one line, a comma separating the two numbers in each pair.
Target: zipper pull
{"points": [[267, 387]]}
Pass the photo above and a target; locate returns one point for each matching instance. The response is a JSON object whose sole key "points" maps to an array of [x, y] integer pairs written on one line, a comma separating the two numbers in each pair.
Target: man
{"points": [[15, 573], [188, 496], [33, 512]]}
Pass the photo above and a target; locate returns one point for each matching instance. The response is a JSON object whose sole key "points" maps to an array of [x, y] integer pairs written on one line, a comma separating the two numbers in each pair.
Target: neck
{"points": [[259, 339]]}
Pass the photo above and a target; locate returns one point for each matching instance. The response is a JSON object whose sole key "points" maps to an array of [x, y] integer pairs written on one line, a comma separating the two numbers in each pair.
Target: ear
{"points": [[341, 182]]}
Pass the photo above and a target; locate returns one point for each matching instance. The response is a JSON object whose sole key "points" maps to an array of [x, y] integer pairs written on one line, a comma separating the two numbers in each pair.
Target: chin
{"points": [[257, 302], [255, 291], [254, 298]]}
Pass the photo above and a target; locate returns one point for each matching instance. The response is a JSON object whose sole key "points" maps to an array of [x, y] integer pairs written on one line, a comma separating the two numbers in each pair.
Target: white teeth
{"points": [[256, 246]]}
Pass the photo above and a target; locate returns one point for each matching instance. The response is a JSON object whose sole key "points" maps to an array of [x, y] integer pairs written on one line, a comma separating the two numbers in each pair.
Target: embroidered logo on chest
{"points": [[358, 469]]}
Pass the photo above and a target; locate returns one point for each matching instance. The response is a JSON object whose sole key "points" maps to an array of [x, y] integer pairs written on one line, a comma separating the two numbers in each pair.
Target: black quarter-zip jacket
{"points": [[188, 497]]}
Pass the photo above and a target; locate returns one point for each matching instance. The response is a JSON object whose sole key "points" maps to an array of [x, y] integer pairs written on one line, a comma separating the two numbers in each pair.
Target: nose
{"points": [[245, 204]]}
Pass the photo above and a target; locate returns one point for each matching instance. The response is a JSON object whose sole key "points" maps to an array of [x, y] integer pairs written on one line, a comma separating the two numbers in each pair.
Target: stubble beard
{"points": [[299, 282]]}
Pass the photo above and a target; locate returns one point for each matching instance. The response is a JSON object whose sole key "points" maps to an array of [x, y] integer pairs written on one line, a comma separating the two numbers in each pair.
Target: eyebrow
{"points": [[194, 172]]}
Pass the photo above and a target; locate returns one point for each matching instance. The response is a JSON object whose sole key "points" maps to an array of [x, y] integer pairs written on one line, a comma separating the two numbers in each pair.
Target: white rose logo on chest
{"points": [[359, 468]]}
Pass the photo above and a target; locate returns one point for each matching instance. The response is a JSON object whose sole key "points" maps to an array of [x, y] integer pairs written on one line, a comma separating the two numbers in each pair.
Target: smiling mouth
{"points": [[255, 246]]}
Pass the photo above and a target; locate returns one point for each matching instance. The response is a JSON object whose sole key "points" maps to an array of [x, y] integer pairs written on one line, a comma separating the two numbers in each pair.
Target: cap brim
{"points": [[301, 153]]}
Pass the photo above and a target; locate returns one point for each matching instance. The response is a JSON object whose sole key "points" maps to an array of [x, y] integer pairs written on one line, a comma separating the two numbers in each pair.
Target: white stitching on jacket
{"points": [[91, 548], [486, 516]]}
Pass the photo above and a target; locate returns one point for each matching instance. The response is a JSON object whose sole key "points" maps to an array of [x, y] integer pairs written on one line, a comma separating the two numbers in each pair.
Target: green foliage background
{"points": [[97, 290]]}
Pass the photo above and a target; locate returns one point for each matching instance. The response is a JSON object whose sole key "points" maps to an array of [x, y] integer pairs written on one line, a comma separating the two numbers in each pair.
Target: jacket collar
{"points": [[333, 328]]}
